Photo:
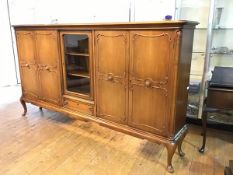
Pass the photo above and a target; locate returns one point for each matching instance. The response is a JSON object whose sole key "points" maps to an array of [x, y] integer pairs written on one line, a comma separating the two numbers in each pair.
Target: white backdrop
{"points": [[70, 11], [7, 67], [80, 11]]}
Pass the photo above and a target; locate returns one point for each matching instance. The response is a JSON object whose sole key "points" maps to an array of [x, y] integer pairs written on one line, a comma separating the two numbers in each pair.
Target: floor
{"points": [[49, 143]]}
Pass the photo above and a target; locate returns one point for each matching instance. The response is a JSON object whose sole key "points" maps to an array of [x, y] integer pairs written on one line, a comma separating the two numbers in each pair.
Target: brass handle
{"points": [[110, 77], [26, 65], [147, 83], [47, 68]]}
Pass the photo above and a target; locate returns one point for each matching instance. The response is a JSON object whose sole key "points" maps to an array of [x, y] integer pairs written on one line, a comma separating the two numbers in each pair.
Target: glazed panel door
{"points": [[27, 64], [48, 65], [77, 63], [150, 52], [112, 55]]}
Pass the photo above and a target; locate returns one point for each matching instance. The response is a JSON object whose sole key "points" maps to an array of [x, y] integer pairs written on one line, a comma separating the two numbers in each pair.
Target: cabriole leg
{"points": [[24, 106], [171, 147]]}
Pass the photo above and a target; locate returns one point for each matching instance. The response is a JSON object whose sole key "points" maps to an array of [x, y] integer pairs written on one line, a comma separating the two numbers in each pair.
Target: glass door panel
{"points": [[77, 63], [221, 53], [195, 11]]}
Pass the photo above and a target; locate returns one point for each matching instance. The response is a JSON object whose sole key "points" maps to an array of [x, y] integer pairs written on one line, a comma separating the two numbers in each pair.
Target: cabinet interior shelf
{"points": [[77, 54], [216, 53], [79, 74], [219, 28]]}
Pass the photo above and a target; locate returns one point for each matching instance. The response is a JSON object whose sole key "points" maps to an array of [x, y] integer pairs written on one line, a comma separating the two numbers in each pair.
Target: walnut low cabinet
{"points": [[130, 77]]}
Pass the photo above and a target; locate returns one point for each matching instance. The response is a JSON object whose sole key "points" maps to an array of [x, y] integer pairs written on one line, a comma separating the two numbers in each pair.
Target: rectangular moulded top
{"points": [[125, 25]]}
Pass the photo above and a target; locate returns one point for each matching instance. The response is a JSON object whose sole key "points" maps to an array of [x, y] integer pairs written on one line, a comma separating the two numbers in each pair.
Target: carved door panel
{"points": [[112, 74], [27, 64], [49, 68], [148, 80]]}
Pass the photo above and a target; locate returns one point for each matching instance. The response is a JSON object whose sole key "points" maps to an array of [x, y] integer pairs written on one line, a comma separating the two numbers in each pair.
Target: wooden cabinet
{"points": [[131, 77]]}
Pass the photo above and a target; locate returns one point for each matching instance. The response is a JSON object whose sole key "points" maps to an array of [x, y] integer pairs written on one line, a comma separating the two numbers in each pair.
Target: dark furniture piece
{"points": [[220, 96], [229, 169]]}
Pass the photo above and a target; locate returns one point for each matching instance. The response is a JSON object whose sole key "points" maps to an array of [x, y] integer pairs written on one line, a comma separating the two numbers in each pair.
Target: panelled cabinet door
{"points": [[49, 67], [150, 52], [112, 74], [27, 64]]}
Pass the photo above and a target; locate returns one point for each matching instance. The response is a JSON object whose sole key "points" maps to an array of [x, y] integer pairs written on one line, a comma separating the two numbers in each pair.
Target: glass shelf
{"points": [[218, 28], [221, 53], [221, 60]]}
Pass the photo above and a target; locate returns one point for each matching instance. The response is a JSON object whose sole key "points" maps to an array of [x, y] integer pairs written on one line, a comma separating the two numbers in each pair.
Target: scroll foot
{"points": [[170, 169], [24, 106], [170, 152]]}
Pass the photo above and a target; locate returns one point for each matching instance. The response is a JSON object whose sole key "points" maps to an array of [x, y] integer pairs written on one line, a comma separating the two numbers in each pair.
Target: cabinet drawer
{"points": [[79, 106]]}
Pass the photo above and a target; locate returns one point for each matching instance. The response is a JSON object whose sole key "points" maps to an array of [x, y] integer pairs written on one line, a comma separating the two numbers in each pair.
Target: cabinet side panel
{"points": [[184, 64]]}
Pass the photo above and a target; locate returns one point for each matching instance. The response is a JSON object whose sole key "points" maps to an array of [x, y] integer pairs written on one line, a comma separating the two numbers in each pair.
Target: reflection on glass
{"points": [[194, 84], [77, 63]]}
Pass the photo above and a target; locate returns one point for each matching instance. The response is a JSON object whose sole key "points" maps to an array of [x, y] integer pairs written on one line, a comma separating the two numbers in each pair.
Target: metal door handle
{"points": [[26, 65], [110, 77], [147, 83]]}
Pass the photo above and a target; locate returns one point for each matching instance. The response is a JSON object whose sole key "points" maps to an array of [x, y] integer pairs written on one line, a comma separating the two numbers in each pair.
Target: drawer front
{"points": [[221, 99], [79, 106]]}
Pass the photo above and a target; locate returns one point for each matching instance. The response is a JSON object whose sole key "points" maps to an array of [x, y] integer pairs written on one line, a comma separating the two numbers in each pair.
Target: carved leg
{"points": [[24, 106], [181, 153], [40, 108], [170, 152], [204, 121]]}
